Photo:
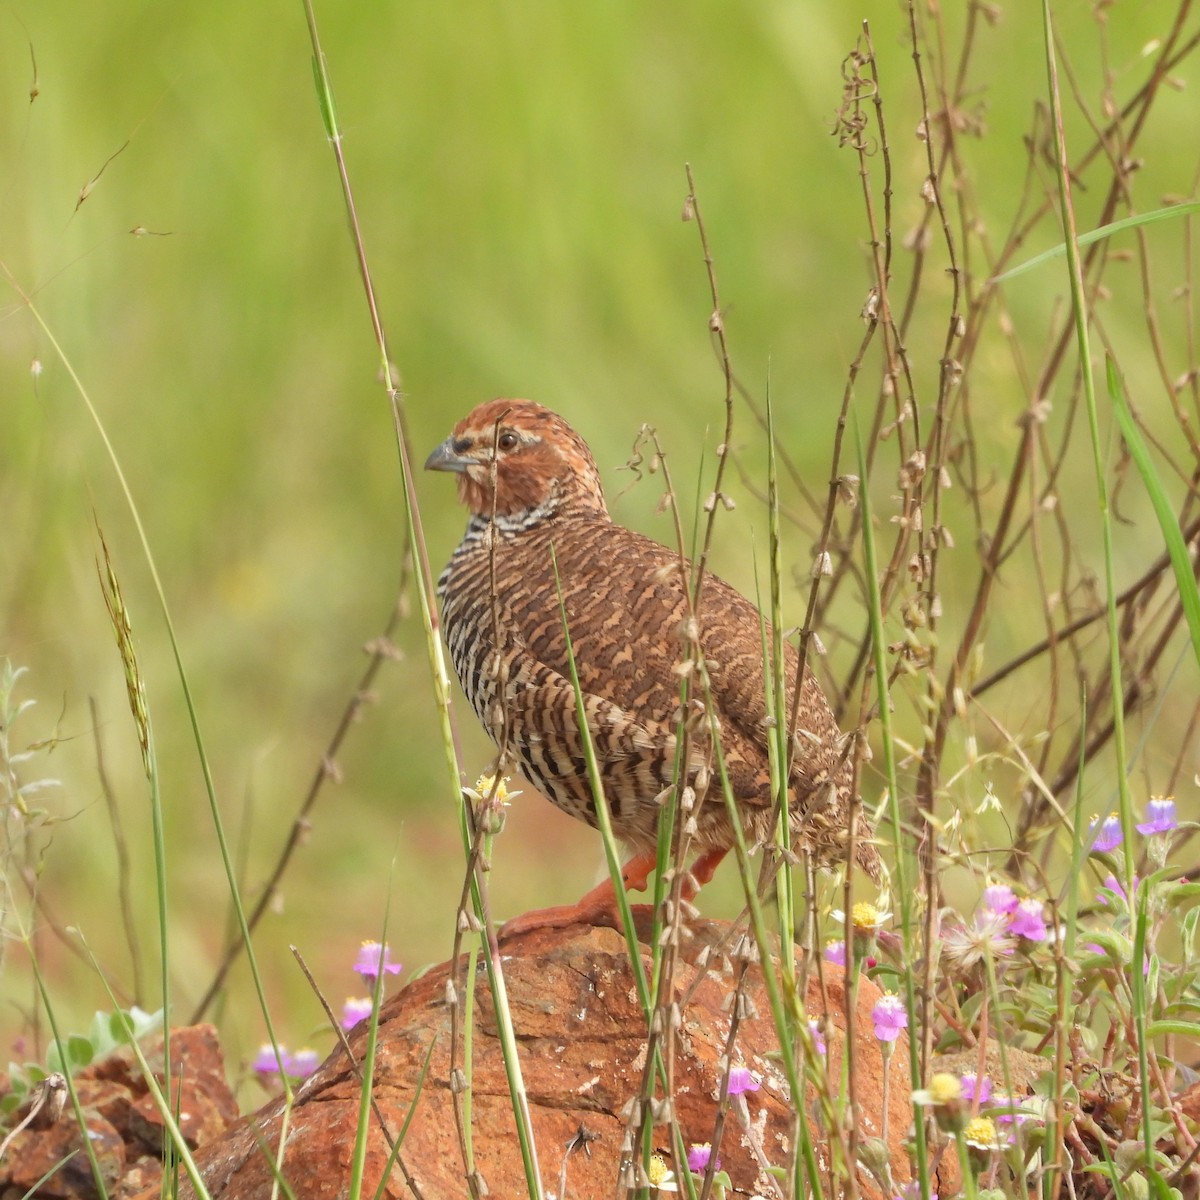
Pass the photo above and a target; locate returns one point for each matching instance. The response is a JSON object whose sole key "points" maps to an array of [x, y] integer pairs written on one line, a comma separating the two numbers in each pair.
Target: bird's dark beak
{"points": [[447, 458]]}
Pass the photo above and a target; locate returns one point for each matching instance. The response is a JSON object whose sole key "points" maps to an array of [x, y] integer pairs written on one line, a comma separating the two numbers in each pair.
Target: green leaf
{"points": [[1158, 1185], [1182, 1028], [1119, 947], [1162, 875], [145, 1022], [1096, 235], [1187, 933], [18, 1080], [98, 1031], [324, 97], [1184, 985], [79, 1051], [1185, 581], [116, 1027]]}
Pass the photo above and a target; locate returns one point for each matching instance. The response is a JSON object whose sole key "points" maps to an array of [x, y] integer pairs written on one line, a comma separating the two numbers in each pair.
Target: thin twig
{"points": [[356, 1067], [381, 650]]}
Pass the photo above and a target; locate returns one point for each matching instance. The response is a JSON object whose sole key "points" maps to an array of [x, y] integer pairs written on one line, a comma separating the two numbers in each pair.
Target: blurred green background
{"points": [[519, 171]]}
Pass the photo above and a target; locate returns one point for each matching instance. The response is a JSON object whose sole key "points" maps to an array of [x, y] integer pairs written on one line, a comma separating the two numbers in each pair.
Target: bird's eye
{"points": [[507, 440]]}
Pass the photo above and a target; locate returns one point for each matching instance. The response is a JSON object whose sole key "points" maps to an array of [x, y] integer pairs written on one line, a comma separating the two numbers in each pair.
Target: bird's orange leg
{"points": [[597, 907], [702, 871]]}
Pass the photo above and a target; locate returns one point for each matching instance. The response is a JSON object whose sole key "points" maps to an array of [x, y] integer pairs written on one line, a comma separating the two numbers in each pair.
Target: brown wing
{"points": [[626, 611]]}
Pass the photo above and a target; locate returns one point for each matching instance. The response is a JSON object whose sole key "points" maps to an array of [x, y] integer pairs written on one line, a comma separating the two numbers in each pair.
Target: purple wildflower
{"points": [[890, 1017], [302, 1064], [999, 898], [1011, 1113], [698, 1156], [1105, 834], [835, 952], [356, 1008], [265, 1062], [1160, 816], [1116, 887], [814, 1027], [973, 1086], [1028, 922], [374, 957], [741, 1079]]}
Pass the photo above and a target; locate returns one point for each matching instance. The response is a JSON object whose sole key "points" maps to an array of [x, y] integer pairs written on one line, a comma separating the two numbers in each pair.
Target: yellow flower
{"points": [[660, 1175], [867, 917], [944, 1096], [487, 781], [945, 1087], [981, 1133]]}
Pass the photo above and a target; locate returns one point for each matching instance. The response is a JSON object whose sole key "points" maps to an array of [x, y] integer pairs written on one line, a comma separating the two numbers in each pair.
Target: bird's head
{"points": [[535, 462]]}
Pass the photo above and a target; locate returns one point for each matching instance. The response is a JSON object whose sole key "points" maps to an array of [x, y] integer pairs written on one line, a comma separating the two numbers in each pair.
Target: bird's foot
{"points": [[597, 916], [597, 908]]}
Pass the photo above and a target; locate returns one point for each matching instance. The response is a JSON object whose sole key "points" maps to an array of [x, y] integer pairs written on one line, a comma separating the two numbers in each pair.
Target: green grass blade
{"points": [[418, 1088], [139, 706], [891, 774], [429, 624], [60, 1043], [35, 1190], [324, 96], [603, 819], [1079, 313], [512, 1071], [279, 1183], [177, 653], [170, 1125], [1096, 235], [779, 705], [1181, 563], [358, 1154]]}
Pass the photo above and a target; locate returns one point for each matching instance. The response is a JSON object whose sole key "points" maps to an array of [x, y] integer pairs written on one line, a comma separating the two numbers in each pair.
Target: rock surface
{"points": [[123, 1122], [582, 1048]]}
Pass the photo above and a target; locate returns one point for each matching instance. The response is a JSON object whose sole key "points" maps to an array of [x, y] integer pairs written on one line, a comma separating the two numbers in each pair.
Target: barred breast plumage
{"points": [[531, 485]]}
